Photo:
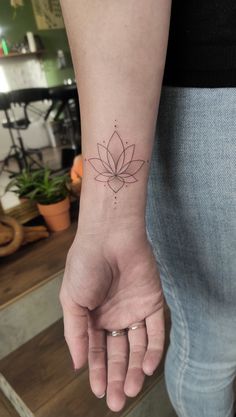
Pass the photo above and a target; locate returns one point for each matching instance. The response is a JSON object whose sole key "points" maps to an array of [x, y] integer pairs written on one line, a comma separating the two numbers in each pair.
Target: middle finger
{"points": [[117, 363], [135, 375], [97, 361]]}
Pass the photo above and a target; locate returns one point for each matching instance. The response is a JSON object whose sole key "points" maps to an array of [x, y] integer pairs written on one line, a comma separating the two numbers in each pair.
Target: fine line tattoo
{"points": [[116, 165]]}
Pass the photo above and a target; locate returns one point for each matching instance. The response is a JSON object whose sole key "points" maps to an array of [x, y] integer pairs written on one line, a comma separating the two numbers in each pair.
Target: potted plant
{"points": [[22, 184], [51, 195]]}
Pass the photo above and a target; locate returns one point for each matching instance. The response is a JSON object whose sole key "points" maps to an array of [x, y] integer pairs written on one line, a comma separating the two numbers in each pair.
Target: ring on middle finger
{"points": [[115, 333], [135, 326]]}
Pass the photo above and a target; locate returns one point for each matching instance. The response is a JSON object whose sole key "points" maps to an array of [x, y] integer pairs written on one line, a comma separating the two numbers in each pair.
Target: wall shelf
{"points": [[22, 55]]}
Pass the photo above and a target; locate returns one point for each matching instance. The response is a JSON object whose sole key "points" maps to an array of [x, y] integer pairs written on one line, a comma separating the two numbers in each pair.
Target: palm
{"points": [[133, 295], [114, 292]]}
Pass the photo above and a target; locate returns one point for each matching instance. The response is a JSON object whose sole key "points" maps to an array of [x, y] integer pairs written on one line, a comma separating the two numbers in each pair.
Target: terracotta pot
{"points": [[57, 216]]}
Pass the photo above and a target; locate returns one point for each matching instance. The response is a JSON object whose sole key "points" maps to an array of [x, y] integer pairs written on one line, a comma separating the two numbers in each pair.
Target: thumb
{"points": [[76, 332]]}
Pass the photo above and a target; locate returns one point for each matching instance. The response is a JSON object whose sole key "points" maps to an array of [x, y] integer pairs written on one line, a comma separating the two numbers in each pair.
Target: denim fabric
{"points": [[191, 221]]}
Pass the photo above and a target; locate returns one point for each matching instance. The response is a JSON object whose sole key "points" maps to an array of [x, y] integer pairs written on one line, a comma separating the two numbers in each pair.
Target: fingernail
{"points": [[149, 373], [101, 396], [74, 366]]}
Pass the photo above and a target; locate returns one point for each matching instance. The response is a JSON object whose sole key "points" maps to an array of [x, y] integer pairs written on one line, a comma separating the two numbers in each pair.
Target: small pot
{"points": [[57, 216]]}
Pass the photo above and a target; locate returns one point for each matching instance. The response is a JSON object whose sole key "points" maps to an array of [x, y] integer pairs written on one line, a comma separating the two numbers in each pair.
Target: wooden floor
{"points": [[33, 265], [40, 372], [6, 409]]}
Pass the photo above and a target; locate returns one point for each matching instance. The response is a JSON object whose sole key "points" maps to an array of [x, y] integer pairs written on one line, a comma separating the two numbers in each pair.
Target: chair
{"points": [[15, 151], [23, 98], [65, 101]]}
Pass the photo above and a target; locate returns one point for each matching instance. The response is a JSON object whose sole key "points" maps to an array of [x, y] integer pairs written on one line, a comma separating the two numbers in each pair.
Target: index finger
{"points": [[75, 320]]}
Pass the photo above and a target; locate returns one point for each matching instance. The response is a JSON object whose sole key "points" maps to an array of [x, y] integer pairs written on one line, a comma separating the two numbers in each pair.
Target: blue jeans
{"points": [[191, 221]]}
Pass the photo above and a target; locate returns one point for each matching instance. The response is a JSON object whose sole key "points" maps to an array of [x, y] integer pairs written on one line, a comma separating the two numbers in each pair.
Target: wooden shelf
{"points": [[22, 55]]}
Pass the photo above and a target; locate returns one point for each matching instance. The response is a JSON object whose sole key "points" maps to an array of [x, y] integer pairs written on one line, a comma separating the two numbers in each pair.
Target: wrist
{"points": [[105, 212], [115, 239]]}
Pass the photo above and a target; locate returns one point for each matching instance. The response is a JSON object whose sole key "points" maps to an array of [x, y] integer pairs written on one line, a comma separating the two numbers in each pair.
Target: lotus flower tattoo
{"points": [[115, 164]]}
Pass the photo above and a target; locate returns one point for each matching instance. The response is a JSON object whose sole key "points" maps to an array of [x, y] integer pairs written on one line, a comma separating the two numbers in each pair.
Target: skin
{"points": [[111, 278]]}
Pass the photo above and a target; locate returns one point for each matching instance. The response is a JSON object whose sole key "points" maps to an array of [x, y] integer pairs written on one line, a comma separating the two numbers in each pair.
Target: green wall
{"points": [[14, 23]]}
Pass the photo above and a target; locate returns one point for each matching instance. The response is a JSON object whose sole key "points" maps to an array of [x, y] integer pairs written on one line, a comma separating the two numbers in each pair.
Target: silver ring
{"points": [[115, 333], [136, 326]]}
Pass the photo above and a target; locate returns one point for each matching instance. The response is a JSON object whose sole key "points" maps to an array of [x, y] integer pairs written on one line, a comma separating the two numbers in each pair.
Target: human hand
{"points": [[110, 284]]}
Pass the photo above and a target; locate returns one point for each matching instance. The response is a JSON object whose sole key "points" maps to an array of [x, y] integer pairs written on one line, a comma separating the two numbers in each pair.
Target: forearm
{"points": [[118, 49]]}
